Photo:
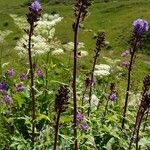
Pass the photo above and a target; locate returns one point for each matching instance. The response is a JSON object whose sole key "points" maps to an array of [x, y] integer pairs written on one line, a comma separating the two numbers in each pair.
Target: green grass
{"points": [[114, 18]]}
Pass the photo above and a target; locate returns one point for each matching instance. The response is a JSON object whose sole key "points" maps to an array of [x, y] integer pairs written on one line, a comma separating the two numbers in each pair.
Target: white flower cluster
{"points": [[46, 25], [3, 34], [21, 22], [43, 39], [70, 45], [39, 43], [102, 70], [57, 51]]}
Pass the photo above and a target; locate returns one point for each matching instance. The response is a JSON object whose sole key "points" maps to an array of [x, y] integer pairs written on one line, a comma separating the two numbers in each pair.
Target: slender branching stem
{"points": [[76, 28], [147, 114], [134, 131], [32, 83], [133, 51], [92, 78], [138, 130]]}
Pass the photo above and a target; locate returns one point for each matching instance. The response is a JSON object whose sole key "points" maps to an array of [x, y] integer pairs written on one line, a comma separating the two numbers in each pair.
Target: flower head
{"points": [[23, 77], [39, 72], [19, 87], [10, 72], [126, 64], [36, 6], [62, 98], [3, 86], [84, 127], [79, 116], [140, 26], [7, 99], [113, 96], [125, 53]]}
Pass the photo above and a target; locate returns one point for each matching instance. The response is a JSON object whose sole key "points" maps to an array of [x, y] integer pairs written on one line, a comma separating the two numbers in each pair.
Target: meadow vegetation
{"points": [[50, 101]]}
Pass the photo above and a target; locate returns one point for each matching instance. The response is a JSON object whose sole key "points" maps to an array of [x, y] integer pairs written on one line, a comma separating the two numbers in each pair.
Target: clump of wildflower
{"points": [[34, 14], [36, 6], [3, 86], [79, 116], [113, 96], [39, 72], [125, 63], [61, 100], [58, 52], [125, 53], [19, 87], [140, 26], [23, 77], [84, 126], [143, 108], [61, 103], [102, 70], [10, 72], [7, 99]]}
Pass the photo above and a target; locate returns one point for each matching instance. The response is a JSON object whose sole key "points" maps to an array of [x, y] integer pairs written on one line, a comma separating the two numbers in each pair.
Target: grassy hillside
{"points": [[115, 18]]}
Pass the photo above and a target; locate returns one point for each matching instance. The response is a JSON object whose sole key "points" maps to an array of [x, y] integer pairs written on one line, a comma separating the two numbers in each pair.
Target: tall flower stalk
{"points": [[61, 103], [143, 108], [139, 28], [80, 12], [32, 18], [99, 44]]}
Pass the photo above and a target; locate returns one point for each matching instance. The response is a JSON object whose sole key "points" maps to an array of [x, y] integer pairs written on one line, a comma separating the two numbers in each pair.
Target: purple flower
{"points": [[23, 77], [10, 72], [39, 72], [113, 96], [140, 26], [79, 116], [7, 99], [3, 86], [125, 53], [84, 127], [36, 6], [126, 63], [19, 87]]}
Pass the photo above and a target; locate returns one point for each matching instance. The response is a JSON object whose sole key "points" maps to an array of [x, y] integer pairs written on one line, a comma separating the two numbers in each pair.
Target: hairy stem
{"points": [[138, 129], [135, 127], [76, 28], [91, 80], [32, 91], [56, 130], [129, 81]]}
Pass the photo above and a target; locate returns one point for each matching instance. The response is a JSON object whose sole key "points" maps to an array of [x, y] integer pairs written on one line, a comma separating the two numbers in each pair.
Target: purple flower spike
{"points": [[10, 72], [126, 64], [23, 77], [39, 72], [7, 99], [84, 127], [19, 87], [36, 6], [140, 27], [113, 97], [3, 86], [79, 116], [125, 53]]}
